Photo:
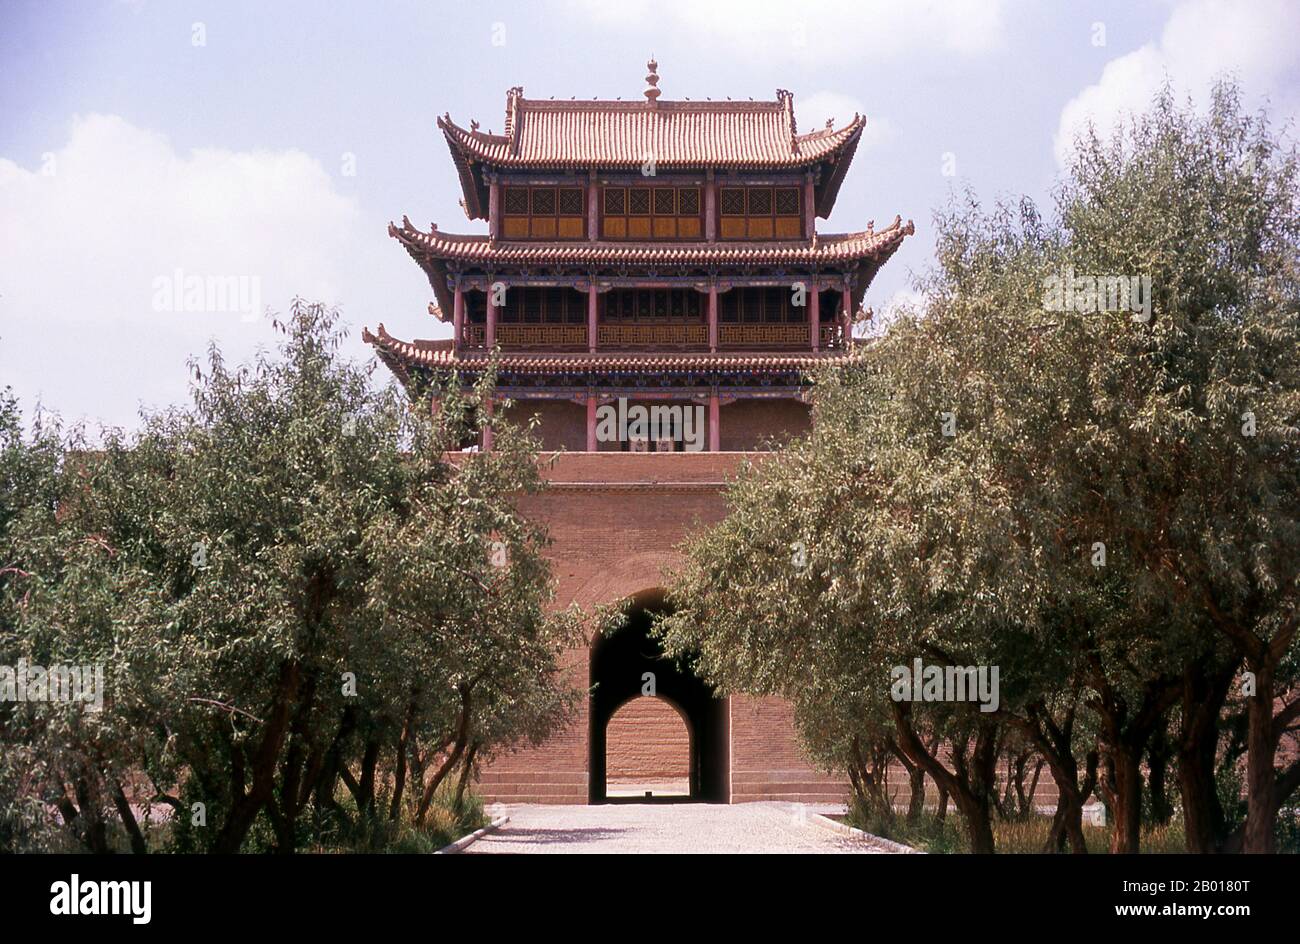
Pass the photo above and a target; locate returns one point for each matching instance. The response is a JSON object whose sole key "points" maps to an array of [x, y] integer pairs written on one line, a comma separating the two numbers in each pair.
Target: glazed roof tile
{"points": [[833, 248], [613, 134], [441, 355]]}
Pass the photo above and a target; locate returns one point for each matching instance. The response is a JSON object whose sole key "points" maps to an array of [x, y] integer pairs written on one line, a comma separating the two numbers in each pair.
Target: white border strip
{"points": [[888, 845], [464, 841]]}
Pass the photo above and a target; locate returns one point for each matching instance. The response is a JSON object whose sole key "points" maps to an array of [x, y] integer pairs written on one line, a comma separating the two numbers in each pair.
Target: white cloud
{"points": [[812, 111], [86, 234], [872, 30], [1203, 39]]}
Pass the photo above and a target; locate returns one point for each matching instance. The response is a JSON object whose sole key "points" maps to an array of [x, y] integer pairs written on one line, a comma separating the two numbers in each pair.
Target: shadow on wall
{"points": [[627, 665]]}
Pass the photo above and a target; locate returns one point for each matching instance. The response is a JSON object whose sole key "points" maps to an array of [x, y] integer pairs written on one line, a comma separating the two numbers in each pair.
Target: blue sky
{"points": [[275, 140]]}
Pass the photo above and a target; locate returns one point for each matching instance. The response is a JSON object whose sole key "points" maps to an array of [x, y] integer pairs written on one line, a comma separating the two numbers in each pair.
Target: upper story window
{"points": [[543, 212], [652, 305], [745, 305], [530, 305], [656, 212], [760, 212]]}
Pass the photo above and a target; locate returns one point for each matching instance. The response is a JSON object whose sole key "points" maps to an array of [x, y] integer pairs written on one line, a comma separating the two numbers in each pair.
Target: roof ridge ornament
{"points": [[786, 99], [513, 97], [652, 92]]}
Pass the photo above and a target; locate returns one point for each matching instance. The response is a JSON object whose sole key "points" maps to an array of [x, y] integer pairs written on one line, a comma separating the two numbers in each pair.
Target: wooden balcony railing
{"points": [[752, 336], [653, 335], [787, 337], [516, 336], [693, 336]]}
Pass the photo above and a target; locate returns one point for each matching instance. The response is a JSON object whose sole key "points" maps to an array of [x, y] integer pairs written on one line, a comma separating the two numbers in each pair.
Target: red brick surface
{"points": [[647, 739], [616, 520], [752, 424]]}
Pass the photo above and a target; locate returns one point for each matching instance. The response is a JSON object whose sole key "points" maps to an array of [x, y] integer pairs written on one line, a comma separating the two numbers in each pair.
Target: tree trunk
{"points": [[462, 736], [366, 787], [1261, 775], [124, 811], [970, 784], [916, 796], [1159, 751], [1204, 695], [1122, 786], [245, 806], [399, 777], [94, 830], [327, 781], [466, 771]]}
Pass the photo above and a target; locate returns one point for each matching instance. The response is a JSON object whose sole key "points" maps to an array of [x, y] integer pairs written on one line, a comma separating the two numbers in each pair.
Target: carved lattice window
{"points": [[760, 212], [787, 201], [543, 201], [638, 201], [542, 212], [515, 201], [571, 201], [652, 213], [732, 200]]}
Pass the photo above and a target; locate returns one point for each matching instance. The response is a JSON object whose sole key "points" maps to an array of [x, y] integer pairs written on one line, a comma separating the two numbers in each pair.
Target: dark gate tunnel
{"points": [[618, 664]]}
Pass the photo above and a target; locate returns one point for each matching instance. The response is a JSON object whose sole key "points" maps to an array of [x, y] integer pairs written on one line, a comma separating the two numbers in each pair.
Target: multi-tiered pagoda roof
{"points": [[644, 242]]}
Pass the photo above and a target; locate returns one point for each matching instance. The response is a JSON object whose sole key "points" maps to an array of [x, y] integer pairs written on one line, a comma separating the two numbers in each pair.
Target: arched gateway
{"points": [[629, 663], [654, 286]]}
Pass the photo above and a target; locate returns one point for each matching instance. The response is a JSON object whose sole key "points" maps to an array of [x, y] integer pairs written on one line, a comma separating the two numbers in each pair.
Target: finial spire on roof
{"points": [[652, 81]]}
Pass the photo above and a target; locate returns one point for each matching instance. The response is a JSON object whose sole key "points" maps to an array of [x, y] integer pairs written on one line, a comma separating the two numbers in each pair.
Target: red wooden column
{"points": [[809, 209], [591, 422], [846, 312], [490, 335], [814, 315], [592, 333], [715, 434], [713, 317], [593, 217], [458, 316], [494, 210]]}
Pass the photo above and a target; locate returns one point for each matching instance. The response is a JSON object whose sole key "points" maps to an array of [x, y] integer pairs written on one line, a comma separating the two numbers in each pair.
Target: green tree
{"points": [[292, 583], [1060, 490]]}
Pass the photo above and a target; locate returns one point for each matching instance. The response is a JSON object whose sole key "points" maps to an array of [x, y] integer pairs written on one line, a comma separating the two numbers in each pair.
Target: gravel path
{"points": [[667, 827]]}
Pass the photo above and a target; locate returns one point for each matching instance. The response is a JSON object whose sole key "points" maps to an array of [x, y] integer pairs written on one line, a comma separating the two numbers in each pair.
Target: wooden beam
{"points": [[713, 318], [809, 207], [815, 315], [458, 317]]}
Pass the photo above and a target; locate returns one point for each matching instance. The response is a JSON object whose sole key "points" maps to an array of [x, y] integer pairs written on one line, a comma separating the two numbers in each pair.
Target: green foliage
{"points": [[1026, 836], [962, 472], [294, 585]]}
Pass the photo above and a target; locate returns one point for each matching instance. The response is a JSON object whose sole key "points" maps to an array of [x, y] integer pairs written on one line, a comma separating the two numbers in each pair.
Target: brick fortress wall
{"points": [[616, 520]]}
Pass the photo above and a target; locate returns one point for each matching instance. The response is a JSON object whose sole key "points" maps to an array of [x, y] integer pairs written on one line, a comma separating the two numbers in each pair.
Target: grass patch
{"points": [[377, 834], [1024, 836]]}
